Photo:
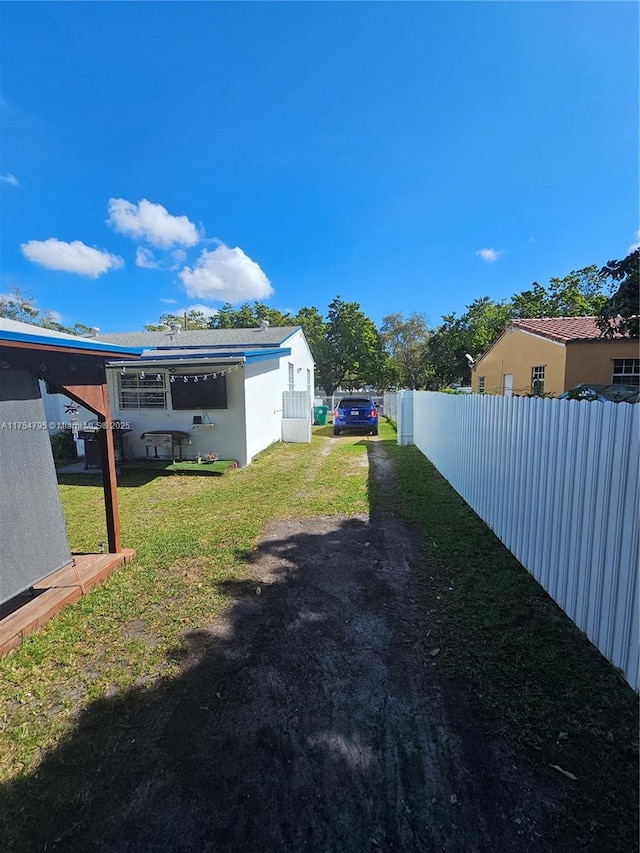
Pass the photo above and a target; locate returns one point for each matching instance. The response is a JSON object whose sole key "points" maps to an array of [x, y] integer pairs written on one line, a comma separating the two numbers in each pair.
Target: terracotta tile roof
{"points": [[561, 329]]}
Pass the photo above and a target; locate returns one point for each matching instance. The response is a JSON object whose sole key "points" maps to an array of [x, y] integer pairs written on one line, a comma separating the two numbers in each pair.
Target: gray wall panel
{"points": [[33, 537]]}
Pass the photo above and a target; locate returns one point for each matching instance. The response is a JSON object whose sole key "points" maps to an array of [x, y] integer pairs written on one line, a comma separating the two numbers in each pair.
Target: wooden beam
{"points": [[109, 478], [90, 396]]}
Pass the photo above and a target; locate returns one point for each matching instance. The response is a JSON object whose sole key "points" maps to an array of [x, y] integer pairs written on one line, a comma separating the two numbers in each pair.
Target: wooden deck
{"points": [[32, 609]]}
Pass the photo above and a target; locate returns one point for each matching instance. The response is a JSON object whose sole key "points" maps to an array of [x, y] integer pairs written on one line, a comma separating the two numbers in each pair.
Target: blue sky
{"points": [[407, 156]]}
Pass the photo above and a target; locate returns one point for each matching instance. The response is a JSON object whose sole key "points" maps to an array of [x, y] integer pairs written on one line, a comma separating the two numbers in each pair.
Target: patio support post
{"points": [[109, 481], [96, 398]]}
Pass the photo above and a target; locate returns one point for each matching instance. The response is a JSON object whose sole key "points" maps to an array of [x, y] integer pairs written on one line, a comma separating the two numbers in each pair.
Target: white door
{"points": [[508, 384]]}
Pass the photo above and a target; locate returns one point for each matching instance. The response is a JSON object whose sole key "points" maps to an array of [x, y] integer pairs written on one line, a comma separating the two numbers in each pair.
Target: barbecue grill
{"points": [[90, 435]]}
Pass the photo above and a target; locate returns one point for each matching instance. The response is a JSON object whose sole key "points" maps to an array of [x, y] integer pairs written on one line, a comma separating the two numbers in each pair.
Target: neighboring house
{"points": [[550, 355], [216, 391], [33, 537]]}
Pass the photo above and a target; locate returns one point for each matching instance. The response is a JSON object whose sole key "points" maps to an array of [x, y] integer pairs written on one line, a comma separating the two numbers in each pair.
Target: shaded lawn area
{"points": [[520, 664], [505, 650]]}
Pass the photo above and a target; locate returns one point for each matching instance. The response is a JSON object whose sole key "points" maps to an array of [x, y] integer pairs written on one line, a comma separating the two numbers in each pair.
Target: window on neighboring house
{"points": [[480, 384], [142, 390], [626, 371], [537, 380], [291, 378]]}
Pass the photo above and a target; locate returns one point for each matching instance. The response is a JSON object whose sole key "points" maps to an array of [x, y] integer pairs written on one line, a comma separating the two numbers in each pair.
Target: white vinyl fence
{"points": [[390, 405], [296, 416], [296, 404], [557, 482]]}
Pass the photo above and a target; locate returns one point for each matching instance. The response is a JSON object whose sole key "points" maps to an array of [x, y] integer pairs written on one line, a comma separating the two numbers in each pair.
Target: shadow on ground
{"points": [[307, 719]]}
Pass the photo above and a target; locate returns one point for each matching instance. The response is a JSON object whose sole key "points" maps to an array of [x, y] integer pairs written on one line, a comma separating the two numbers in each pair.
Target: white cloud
{"points": [[152, 223], [226, 275], [635, 245], [10, 179], [490, 255], [169, 301], [73, 257], [145, 259]]}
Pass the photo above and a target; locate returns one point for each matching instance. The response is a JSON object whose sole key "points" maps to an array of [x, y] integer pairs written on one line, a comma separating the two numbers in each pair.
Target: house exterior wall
{"points": [[592, 361], [226, 438], [265, 383], [303, 361], [263, 386], [516, 353], [250, 423]]}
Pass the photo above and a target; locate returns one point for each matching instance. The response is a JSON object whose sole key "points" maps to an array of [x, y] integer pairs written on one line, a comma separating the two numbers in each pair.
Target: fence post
{"points": [[405, 418]]}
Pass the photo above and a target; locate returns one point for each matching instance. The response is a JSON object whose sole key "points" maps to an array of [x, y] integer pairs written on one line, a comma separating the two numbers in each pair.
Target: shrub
{"points": [[63, 445]]}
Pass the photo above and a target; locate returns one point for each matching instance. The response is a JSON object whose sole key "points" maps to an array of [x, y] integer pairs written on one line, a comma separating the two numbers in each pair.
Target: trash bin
{"points": [[320, 415]]}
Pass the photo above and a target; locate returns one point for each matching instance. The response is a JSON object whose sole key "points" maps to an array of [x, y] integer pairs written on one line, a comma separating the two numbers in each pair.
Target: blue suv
{"points": [[355, 413]]}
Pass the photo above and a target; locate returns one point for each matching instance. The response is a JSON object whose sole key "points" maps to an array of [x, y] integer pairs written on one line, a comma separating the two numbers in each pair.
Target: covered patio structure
{"points": [[38, 573]]}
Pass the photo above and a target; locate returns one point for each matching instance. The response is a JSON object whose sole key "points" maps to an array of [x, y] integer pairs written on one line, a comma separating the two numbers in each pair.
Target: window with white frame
{"points": [[308, 380], [291, 377], [537, 380], [480, 384], [142, 390], [626, 371]]}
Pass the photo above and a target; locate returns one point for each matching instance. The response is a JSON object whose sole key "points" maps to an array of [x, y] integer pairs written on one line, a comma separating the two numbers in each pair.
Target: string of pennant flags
{"points": [[183, 377]]}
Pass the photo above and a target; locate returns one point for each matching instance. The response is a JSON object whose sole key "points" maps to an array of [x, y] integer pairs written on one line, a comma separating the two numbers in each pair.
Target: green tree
{"points": [[315, 331], [531, 303], [470, 334], [352, 352], [578, 294], [619, 313], [20, 306], [406, 340], [191, 319], [249, 316]]}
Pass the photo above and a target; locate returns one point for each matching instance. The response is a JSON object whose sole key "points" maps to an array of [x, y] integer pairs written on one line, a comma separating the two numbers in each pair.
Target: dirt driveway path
{"points": [[309, 719]]}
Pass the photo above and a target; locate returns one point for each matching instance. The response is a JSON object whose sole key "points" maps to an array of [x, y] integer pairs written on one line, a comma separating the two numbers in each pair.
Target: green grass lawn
{"points": [[517, 664], [192, 535], [166, 466]]}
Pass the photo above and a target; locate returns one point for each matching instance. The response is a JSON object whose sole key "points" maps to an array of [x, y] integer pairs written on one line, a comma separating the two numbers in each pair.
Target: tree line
{"points": [[351, 352], [406, 352]]}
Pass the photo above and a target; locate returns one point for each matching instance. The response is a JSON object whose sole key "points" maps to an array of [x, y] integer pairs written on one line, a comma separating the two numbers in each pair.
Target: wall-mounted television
{"points": [[203, 394]]}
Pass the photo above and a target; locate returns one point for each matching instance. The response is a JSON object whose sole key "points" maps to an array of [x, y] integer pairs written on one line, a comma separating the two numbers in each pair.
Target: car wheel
{"points": [[374, 431], [336, 431]]}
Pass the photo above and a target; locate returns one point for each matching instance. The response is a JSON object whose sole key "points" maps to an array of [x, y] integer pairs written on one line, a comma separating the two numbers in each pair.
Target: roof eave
{"points": [[45, 343]]}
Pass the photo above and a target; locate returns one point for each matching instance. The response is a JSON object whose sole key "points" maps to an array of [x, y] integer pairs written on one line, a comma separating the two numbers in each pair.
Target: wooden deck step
{"points": [[31, 610]]}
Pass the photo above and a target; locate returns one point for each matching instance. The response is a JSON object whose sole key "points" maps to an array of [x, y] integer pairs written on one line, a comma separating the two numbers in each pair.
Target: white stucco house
{"points": [[232, 392]]}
